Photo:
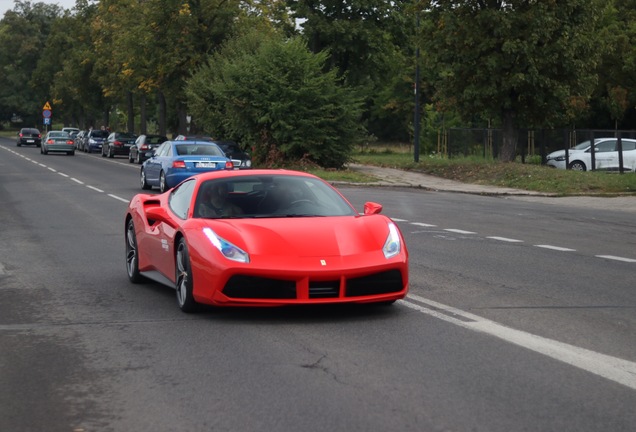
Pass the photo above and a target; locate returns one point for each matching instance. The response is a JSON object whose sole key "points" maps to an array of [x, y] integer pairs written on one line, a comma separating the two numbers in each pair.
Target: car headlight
{"points": [[228, 250], [392, 245]]}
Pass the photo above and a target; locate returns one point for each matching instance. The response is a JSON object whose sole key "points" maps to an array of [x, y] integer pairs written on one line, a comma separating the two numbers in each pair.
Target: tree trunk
{"points": [[130, 126], [143, 120], [509, 145], [161, 100]]}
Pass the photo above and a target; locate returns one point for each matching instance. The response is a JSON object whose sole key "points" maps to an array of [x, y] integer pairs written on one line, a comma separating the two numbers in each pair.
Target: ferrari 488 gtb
{"points": [[264, 238]]}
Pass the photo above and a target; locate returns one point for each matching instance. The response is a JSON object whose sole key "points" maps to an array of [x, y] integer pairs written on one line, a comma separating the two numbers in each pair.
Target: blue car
{"points": [[174, 161]]}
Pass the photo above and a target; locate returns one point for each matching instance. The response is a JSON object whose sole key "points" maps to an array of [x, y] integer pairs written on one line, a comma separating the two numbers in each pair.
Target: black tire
{"points": [[183, 278], [577, 166], [18, 144], [132, 254], [162, 183], [143, 181]]}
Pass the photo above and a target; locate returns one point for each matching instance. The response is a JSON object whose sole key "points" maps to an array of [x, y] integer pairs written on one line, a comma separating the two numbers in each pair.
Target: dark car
{"points": [[144, 145], [94, 140], [240, 158], [118, 143], [29, 136]]}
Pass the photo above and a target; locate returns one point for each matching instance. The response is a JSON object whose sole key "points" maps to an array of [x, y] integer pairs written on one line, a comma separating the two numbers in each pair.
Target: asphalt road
{"points": [[521, 317]]}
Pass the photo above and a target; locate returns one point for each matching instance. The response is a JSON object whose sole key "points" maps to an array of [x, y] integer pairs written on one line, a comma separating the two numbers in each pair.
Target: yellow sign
{"points": [[47, 106]]}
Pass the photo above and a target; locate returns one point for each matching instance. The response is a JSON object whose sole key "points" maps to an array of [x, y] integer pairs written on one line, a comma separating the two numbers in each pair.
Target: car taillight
{"points": [[144, 147], [229, 165], [70, 142], [118, 143], [178, 164], [50, 141], [21, 135]]}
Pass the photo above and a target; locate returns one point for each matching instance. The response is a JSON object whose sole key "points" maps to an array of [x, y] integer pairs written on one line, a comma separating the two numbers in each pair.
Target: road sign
{"points": [[47, 106], [46, 113], [47, 120]]}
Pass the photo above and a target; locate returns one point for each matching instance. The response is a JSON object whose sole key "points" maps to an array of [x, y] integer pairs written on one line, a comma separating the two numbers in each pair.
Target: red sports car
{"points": [[264, 238]]}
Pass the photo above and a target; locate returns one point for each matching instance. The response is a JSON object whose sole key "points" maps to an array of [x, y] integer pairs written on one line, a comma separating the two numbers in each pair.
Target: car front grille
{"points": [[252, 287]]}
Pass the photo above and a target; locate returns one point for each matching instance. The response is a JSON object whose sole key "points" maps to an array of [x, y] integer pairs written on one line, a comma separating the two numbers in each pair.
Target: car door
{"points": [[629, 155], [152, 166], [606, 155]]}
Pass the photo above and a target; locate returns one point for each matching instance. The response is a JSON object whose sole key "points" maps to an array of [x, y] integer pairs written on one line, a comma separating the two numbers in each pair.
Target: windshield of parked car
{"points": [[199, 150], [99, 134], [269, 196]]}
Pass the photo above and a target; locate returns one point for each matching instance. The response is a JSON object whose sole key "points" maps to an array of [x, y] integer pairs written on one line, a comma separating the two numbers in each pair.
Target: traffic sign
{"points": [[47, 106], [46, 113], [47, 120]]}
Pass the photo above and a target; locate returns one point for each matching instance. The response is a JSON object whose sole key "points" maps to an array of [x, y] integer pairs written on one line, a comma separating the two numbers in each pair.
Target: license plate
{"points": [[206, 165], [30, 141]]}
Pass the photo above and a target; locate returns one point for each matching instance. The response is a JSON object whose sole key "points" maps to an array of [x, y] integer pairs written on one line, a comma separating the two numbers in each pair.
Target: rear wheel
{"points": [[577, 166], [132, 254], [162, 183], [144, 182], [183, 278]]}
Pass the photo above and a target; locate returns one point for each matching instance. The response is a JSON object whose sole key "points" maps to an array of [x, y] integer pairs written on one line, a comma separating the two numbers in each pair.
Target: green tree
{"points": [[273, 94], [519, 62], [23, 34]]}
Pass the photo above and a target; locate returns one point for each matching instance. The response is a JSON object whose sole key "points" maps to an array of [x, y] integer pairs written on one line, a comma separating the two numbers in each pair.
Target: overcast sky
{"points": [[6, 5]]}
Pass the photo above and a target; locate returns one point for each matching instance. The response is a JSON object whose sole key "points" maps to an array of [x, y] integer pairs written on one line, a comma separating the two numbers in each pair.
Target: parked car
{"points": [[605, 156], [295, 253], [79, 138], [144, 145], [94, 140], [241, 159], [71, 130], [29, 136], [194, 138], [118, 143], [175, 161], [58, 141]]}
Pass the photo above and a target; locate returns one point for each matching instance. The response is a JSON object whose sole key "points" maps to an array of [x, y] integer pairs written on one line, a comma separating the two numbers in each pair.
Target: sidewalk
{"points": [[400, 178]]}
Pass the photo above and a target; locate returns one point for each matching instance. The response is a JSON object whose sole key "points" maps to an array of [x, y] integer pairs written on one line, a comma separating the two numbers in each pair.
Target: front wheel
{"points": [[132, 254], [577, 166], [183, 278]]}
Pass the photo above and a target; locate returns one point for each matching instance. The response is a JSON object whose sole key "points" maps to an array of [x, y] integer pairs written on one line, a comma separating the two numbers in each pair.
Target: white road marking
{"points": [[612, 368], [556, 248], [63, 175], [77, 181], [423, 224], [506, 239], [94, 188], [616, 258], [399, 220], [458, 231], [119, 198]]}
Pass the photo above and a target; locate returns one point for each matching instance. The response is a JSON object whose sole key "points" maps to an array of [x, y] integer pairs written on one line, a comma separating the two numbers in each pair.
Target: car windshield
{"points": [[126, 136], [99, 134], [198, 150], [59, 135], [269, 196]]}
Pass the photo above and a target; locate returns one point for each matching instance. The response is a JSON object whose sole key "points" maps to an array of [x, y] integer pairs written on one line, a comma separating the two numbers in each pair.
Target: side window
{"points": [[161, 151], [180, 199], [606, 146], [628, 145]]}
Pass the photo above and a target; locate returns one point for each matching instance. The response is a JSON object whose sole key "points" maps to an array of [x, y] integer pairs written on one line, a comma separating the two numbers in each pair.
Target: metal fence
{"points": [[532, 144]]}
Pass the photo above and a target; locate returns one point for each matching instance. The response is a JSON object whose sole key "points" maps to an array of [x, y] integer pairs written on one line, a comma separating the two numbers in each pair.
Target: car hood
{"points": [[303, 236]]}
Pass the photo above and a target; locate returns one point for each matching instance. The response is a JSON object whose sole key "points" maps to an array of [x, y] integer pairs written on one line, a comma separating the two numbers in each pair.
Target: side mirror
{"points": [[371, 208]]}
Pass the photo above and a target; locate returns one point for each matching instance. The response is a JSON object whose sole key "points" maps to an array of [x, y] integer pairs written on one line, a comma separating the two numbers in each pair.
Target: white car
{"points": [[605, 156]]}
